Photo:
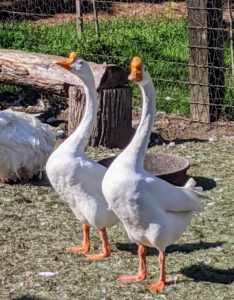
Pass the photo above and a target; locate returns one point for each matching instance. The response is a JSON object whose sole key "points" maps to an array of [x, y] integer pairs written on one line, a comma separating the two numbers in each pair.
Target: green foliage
{"points": [[9, 88], [163, 44]]}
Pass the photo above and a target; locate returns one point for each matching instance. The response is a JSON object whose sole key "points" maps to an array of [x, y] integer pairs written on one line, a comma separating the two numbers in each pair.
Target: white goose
{"points": [[25, 145], [75, 177], [153, 212]]}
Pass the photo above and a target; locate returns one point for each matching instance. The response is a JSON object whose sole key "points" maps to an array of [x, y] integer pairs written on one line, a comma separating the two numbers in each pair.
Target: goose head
{"points": [[77, 66], [138, 72]]}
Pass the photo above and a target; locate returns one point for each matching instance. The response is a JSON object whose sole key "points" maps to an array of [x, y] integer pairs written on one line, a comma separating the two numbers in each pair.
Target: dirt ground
{"points": [[182, 129], [168, 128], [166, 9]]}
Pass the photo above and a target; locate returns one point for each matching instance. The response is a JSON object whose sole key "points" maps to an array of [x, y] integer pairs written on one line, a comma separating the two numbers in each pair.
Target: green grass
{"points": [[36, 227], [158, 42], [163, 44]]}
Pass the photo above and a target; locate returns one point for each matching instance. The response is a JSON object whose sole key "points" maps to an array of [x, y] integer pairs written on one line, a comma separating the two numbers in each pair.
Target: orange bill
{"points": [[67, 63], [136, 67]]}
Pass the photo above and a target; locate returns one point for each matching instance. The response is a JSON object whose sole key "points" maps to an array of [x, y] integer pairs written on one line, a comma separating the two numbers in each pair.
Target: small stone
{"points": [[171, 145], [47, 274], [207, 260], [213, 139]]}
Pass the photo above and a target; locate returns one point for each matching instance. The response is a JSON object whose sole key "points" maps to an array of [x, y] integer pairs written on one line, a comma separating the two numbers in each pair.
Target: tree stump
{"points": [[39, 71], [113, 128]]}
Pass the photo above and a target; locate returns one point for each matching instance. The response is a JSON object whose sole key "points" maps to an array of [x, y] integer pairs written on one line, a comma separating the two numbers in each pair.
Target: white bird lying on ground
{"points": [[25, 145], [154, 212]]}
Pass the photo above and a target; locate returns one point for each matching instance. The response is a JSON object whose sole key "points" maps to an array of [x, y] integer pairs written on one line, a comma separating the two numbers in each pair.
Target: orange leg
{"points": [[142, 272], [86, 242], [160, 284], [106, 251]]}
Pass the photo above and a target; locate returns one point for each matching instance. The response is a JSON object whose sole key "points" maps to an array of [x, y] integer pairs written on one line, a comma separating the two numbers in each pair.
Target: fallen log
{"points": [[39, 71]]}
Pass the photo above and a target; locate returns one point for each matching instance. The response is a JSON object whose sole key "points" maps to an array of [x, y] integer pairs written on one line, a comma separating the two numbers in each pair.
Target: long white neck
{"points": [[77, 141], [136, 150]]}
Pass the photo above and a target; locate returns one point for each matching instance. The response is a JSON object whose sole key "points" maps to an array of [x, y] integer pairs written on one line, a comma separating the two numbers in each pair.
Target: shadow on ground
{"points": [[27, 297], [205, 273], [156, 138], [185, 248], [206, 183], [43, 182]]}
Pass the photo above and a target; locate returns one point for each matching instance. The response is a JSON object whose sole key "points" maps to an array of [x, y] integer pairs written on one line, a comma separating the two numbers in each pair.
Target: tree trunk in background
{"points": [[113, 128], [206, 59]]}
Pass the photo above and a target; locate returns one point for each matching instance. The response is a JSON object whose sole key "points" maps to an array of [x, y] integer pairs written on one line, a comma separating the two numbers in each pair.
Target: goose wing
{"points": [[171, 198], [90, 175]]}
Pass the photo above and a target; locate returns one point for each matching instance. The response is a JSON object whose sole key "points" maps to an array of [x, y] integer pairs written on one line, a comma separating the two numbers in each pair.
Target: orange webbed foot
{"points": [[142, 271], [156, 287], [79, 250], [159, 285], [133, 278], [99, 256]]}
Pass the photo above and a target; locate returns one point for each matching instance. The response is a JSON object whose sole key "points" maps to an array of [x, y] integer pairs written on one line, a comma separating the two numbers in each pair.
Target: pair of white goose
{"points": [[153, 212]]}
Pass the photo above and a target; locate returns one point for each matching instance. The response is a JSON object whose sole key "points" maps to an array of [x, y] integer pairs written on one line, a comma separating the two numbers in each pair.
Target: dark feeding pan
{"points": [[171, 168]]}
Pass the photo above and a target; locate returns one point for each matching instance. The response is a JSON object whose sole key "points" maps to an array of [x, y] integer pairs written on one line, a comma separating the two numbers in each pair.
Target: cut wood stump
{"points": [[113, 128], [39, 71]]}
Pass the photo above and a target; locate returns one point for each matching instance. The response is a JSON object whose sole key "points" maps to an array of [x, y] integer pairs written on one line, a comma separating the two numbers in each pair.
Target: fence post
{"points": [[79, 18], [231, 33], [95, 15], [206, 59]]}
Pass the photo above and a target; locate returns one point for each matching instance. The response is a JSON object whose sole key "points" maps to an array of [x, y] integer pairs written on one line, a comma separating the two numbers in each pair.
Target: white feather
{"points": [[25, 142], [75, 177], [153, 212]]}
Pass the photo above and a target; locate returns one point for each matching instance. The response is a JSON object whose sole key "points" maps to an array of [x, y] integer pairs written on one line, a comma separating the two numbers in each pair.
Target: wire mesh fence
{"points": [[186, 45]]}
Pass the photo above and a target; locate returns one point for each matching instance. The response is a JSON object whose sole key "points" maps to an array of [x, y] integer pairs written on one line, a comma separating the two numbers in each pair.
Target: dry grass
{"points": [[36, 227]]}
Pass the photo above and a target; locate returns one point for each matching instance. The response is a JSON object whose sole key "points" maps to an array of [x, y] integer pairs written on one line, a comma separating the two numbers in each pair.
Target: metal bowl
{"points": [[171, 168]]}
